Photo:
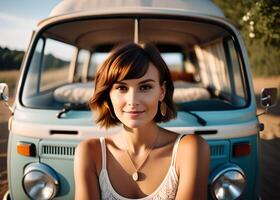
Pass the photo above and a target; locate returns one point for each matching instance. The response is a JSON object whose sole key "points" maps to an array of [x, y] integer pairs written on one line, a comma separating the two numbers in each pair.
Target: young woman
{"points": [[143, 161]]}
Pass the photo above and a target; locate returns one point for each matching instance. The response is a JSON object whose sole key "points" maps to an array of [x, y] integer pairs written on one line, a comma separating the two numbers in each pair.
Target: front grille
{"points": [[58, 150], [217, 150]]}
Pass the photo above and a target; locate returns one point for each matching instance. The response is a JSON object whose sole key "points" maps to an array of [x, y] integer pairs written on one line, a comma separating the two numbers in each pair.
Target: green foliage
{"points": [[259, 22], [51, 62], [262, 22], [10, 60]]}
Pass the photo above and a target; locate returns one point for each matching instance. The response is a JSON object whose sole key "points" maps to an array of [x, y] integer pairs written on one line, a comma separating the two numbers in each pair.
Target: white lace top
{"points": [[165, 191]]}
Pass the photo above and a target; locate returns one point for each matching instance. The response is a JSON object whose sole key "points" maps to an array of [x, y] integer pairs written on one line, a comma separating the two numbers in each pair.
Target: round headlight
{"points": [[228, 184], [40, 181]]}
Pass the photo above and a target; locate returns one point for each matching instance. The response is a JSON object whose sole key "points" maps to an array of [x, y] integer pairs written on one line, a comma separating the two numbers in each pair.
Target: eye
{"points": [[121, 88], [145, 87]]}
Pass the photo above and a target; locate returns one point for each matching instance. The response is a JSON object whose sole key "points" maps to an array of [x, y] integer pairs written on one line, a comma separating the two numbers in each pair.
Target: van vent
{"points": [[57, 150], [217, 150]]}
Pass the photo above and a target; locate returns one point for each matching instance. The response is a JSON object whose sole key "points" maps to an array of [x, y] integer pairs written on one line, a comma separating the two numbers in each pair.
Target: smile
{"points": [[134, 112]]}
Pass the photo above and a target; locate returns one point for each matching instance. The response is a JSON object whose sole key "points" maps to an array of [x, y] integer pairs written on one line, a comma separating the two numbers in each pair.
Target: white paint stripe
{"points": [[42, 131]]}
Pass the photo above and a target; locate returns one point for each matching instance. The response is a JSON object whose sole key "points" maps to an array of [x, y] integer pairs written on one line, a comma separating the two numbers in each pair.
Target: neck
{"points": [[140, 139]]}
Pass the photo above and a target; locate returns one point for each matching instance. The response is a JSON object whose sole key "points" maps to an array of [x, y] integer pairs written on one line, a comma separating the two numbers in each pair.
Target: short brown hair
{"points": [[129, 61]]}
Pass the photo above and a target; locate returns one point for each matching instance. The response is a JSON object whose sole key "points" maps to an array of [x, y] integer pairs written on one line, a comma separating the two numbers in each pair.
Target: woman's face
{"points": [[135, 101]]}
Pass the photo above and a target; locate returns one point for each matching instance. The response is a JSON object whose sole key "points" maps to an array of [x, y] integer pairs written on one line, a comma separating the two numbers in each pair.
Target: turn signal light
{"points": [[26, 149], [241, 149]]}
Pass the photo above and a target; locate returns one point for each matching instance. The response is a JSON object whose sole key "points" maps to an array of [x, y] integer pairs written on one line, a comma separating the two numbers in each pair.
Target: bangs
{"points": [[133, 65]]}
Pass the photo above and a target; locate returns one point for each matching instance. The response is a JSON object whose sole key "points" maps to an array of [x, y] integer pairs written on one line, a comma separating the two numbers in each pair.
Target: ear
{"points": [[163, 90]]}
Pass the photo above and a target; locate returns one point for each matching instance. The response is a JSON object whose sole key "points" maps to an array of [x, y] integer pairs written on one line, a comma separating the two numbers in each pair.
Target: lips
{"points": [[134, 112]]}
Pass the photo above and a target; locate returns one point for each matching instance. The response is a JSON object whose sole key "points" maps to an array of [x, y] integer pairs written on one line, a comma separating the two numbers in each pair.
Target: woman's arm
{"points": [[85, 173], [193, 161]]}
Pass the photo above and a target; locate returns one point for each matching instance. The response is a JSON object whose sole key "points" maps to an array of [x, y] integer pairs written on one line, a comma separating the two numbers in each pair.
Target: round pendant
{"points": [[135, 176]]}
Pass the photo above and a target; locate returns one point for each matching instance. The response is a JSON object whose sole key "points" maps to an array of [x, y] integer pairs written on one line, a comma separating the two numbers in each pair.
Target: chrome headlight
{"points": [[40, 181], [228, 184]]}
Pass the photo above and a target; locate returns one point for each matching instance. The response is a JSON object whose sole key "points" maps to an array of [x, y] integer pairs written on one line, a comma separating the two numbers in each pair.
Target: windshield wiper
{"points": [[199, 119], [71, 106]]}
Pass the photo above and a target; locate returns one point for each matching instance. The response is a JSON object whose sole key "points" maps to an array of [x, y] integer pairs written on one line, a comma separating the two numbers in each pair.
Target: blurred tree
{"points": [[262, 21], [259, 22], [11, 60]]}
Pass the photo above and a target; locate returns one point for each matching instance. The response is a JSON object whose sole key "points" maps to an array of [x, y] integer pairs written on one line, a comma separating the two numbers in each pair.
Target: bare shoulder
{"points": [[88, 152], [88, 146], [193, 148], [86, 169], [194, 143], [192, 165]]}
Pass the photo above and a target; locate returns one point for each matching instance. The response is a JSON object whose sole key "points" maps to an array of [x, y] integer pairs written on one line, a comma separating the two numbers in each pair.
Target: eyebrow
{"points": [[141, 82]]}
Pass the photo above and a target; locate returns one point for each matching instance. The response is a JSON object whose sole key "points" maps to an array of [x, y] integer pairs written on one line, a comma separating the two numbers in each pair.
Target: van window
{"points": [[31, 86], [203, 59], [234, 65], [49, 68], [96, 60], [220, 73], [82, 64], [213, 68], [55, 64], [173, 60]]}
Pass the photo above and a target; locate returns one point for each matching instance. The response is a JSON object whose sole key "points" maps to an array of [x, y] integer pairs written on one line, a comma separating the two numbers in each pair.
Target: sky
{"points": [[18, 18]]}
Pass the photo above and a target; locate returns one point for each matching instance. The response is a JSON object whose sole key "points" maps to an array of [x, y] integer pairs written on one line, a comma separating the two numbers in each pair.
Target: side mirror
{"points": [[4, 92], [268, 97], [4, 95]]}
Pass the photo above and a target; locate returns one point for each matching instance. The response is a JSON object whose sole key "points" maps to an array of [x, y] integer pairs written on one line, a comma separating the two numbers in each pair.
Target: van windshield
{"points": [[203, 59]]}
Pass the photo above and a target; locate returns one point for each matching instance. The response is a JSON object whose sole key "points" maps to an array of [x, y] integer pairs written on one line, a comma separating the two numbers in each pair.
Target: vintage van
{"points": [[209, 66]]}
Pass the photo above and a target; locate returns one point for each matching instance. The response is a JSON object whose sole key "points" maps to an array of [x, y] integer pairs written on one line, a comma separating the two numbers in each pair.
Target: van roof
{"points": [[204, 7]]}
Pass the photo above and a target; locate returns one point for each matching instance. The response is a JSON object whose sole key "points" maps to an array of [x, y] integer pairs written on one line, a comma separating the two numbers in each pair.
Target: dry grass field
{"points": [[270, 143], [11, 78]]}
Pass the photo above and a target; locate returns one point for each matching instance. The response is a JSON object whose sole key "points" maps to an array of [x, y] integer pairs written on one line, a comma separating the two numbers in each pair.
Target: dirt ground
{"points": [[270, 145], [4, 115]]}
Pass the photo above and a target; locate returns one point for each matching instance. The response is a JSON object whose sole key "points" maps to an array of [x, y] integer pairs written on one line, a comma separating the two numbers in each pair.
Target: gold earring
{"points": [[163, 108]]}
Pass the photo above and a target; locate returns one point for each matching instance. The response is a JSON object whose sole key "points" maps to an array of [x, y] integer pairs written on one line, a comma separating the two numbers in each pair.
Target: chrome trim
{"points": [[232, 168], [43, 168], [7, 196], [218, 172]]}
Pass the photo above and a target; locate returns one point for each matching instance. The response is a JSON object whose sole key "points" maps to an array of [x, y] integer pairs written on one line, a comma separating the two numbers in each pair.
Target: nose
{"points": [[132, 98]]}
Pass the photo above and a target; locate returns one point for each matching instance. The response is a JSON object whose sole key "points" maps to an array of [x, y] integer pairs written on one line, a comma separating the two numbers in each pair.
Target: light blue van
{"points": [[209, 66]]}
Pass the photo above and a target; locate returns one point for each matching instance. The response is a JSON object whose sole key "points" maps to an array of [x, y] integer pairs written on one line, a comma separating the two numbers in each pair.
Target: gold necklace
{"points": [[135, 175]]}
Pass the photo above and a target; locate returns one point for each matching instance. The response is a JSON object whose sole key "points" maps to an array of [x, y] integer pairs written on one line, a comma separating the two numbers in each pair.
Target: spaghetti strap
{"points": [[175, 149], [103, 150], [166, 190]]}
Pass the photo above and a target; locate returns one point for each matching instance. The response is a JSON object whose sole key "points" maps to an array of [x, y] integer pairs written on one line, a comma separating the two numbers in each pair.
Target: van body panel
{"points": [[57, 154], [250, 164], [45, 124], [220, 149], [16, 164]]}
